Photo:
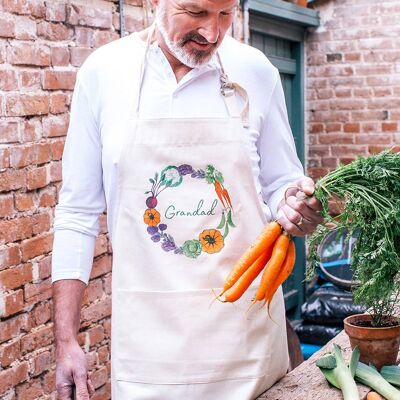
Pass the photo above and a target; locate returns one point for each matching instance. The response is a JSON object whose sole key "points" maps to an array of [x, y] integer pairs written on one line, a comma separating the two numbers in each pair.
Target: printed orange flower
{"points": [[211, 240], [151, 217]]}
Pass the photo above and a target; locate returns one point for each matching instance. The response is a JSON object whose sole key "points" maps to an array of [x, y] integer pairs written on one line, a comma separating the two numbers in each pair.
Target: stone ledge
{"points": [[306, 382]]}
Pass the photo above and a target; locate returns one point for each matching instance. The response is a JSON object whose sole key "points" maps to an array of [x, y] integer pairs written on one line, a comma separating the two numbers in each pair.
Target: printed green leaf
{"points": [[210, 179], [226, 231], [230, 222], [223, 220], [210, 174], [219, 177], [210, 169]]}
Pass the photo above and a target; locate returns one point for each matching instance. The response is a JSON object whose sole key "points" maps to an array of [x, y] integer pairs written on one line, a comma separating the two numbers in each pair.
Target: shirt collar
{"points": [[211, 65]]}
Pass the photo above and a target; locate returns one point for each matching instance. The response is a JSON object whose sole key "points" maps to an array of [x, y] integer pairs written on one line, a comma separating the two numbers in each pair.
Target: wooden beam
{"points": [[283, 10]]}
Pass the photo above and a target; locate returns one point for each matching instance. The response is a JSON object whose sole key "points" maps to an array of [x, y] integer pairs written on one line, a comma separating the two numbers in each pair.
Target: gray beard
{"points": [[196, 58]]}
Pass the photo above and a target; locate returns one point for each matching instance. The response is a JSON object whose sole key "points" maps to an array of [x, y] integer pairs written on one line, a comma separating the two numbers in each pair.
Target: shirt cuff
{"points": [[72, 256]]}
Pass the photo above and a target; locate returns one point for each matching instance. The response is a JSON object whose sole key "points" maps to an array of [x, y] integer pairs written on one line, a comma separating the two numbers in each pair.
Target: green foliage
{"points": [[368, 190]]}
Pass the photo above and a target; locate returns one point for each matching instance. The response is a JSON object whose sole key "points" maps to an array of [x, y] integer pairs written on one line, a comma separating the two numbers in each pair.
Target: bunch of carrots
{"points": [[274, 252]]}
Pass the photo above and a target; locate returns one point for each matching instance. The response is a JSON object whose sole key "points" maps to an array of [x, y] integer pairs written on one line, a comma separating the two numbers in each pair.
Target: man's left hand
{"points": [[299, 213]]}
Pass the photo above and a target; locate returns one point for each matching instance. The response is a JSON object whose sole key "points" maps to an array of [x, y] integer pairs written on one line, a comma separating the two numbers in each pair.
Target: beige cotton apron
{"points": [[187, 209]]}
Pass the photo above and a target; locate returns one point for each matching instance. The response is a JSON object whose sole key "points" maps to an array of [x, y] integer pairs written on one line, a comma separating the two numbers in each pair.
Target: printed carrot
{"points": [[273, 267], [243, 283], [266, 239], [227, 197], [219, 190], [284, 273]]}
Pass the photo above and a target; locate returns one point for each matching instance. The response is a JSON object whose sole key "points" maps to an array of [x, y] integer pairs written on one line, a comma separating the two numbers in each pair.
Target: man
{"points": [[162, 137]]}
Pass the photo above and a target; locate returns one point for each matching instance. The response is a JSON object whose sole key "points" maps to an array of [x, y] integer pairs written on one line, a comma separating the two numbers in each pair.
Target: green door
{"points": [[286, 55]]}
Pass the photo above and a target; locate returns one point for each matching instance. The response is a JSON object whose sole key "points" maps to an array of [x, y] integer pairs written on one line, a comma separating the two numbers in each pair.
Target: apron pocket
{"points": [[176, 337]]}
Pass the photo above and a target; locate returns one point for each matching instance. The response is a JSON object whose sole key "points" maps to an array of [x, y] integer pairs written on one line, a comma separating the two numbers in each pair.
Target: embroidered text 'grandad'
{"points": [[172, 212]]}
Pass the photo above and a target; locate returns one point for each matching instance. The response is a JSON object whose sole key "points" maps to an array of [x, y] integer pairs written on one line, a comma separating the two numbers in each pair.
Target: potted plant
{"points": [[369, 192]]}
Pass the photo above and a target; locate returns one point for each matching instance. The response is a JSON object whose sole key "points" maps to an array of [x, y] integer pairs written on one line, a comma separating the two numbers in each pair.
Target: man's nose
{"points": [[210, 30]]}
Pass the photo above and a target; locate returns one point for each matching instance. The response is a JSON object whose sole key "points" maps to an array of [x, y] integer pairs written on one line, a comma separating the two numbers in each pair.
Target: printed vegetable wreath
{"points": [[209, 240]]}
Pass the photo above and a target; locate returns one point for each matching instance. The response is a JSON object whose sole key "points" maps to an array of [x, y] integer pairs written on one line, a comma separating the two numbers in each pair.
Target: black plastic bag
{"points": [[316, 334], [329, 305]]}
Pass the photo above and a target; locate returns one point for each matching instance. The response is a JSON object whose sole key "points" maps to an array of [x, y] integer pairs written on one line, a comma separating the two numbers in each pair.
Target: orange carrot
{"points": [[243, 283], [284, 273], [373, 396], [273, 267], [265, 240]]}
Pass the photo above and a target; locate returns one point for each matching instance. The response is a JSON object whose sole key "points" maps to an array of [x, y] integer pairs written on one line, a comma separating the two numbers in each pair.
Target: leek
{"points": [[369, 376], [336, 372], [392, 374]]}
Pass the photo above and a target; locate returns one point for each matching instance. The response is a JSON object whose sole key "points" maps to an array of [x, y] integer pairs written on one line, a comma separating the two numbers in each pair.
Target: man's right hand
{"points": [[71, 366], [72, 372]]}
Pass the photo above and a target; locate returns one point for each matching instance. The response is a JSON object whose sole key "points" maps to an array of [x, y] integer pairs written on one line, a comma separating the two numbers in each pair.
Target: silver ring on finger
{"points": [[300, 222]]}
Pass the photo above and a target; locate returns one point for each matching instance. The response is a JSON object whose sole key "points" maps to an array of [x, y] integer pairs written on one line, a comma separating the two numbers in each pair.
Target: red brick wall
{"points": [[42, 44], [352, 81]]}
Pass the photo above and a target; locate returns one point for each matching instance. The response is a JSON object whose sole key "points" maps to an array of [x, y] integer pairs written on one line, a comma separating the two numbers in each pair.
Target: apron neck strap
{"points": [[228, 88], [150, 36]]}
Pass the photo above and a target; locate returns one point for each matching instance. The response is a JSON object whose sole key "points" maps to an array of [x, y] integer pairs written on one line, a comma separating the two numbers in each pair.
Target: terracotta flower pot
{"points": [[302, 3], [379, 346]]}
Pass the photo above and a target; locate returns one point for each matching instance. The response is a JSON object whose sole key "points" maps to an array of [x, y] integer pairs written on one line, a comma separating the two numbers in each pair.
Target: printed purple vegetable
{"points": [[185, 169], [151, 202]]}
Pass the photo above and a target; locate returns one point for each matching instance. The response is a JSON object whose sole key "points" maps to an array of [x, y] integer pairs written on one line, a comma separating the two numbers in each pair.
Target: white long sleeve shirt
{"points": [[101, 103]]}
